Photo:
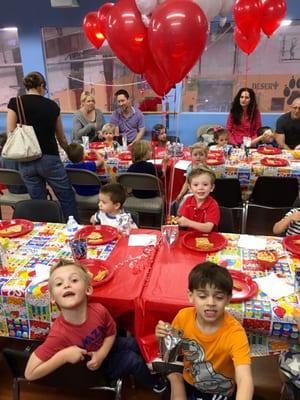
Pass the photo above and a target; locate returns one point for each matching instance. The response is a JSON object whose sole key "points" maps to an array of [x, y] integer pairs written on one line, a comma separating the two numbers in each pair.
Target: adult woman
{"points": [[244, 118], [88, 120], [44, 115]]}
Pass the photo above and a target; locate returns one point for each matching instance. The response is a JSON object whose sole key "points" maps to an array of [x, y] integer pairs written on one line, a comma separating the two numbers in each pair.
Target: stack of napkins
{"points": [[142, 240], [274, 287], [252, 242]]}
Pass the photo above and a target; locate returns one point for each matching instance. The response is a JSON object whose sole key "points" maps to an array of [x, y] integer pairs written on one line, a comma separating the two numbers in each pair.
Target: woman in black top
{"points": [[44, 115]]}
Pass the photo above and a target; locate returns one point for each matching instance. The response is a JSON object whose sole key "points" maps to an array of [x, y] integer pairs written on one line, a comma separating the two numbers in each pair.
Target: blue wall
{"points": [[31, 15]]}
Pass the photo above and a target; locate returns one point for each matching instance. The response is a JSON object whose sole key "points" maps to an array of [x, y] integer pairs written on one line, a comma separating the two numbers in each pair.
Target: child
{"points": [[220, 138], [159, 134], [265, 137], [75, 153], [215, 346], [107, 134], [84, 329], [199, 155], [141, 152], [200, 211], [290, 223], [111, 200]]}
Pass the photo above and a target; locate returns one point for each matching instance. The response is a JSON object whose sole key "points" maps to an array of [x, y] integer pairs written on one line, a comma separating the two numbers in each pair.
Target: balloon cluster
{"points": [[164, 51], [252, 16]]}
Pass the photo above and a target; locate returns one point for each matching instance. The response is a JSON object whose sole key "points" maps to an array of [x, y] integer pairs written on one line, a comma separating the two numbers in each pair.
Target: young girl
{"points": [[220, 138], [159, 134], [141, 152], [198, 154], [107, 134]]}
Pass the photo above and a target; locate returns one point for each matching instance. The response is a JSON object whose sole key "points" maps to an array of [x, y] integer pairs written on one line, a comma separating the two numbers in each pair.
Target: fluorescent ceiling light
{"points": [[12, 28], [285, 22]]}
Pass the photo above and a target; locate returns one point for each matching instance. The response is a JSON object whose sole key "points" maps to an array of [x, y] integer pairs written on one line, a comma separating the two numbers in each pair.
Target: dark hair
{"points": [[209, 273], [200, 171], [33, 80], [262, 130], [116, 192], [122, 92], [75, 152], [217, 131], [237, 109]]}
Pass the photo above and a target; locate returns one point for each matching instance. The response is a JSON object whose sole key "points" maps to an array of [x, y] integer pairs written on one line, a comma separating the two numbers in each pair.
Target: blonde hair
{"points": [[108, 128], [201, 171], [139, 150], [64, 262], [84, 95], [199, 146]]}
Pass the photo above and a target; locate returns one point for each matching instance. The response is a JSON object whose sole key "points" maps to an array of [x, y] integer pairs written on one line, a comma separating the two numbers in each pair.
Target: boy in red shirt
{"points": [[200, 211], [215, 347], [85, 329]]}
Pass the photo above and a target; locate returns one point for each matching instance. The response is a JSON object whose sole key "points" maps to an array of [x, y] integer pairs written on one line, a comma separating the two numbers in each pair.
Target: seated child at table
{"points": [[289, 362], [107, 134], [265, 137], [199, 211], [198, 155], [220, 138], [289, 224], [141, 152], [111, 199], [160, 136], [82, 330], [215, 347], [75, 153]]}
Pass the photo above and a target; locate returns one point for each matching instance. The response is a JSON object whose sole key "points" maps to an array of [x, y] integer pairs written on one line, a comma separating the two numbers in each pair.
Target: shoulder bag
{"points": [[22, 144]]}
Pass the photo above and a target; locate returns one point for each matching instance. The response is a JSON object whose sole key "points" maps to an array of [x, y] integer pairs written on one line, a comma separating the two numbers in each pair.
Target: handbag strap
{"points": [[20, 110]]}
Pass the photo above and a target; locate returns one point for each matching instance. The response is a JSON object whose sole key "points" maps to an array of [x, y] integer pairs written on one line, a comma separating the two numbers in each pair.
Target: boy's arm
{"points": [[36, 368], [97, 357], [100, 159], [244, 382], [285, 222], [205, 227], [177, 386]]}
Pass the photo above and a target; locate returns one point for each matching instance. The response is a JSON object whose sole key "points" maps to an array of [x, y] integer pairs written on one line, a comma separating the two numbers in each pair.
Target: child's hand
{"points": [[94, 363], [183, 222], [162, 329], [295, 216], [73, 354], [93, 220]]}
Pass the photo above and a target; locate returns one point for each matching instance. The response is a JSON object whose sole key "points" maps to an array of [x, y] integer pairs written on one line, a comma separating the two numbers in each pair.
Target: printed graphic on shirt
{"points": [[205, 378]]}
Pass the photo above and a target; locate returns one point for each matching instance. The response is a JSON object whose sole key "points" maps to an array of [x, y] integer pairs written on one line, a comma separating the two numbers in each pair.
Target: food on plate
{"points": [[297, 242], [95, 237], [11, 229], [101, 275], [203, 243], [264, 255], [237, 286], [271, 162]]}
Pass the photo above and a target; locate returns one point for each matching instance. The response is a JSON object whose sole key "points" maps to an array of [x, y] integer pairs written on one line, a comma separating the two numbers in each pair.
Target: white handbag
{"points": [[22, 144]]}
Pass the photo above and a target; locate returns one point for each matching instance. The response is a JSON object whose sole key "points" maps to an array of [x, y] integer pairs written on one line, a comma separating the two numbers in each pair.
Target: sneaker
{"points": [[160, 386]]}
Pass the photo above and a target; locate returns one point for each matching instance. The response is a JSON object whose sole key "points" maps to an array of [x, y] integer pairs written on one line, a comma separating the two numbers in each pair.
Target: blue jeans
{"points": [[125, 359], [49, 169]]}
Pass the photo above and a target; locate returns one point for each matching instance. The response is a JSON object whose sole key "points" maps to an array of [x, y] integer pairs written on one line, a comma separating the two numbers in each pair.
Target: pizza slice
{"points": [[203, 243], [95, 237], [11, 229]]}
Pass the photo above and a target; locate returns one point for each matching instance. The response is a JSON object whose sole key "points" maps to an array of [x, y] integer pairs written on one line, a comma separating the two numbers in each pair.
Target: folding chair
{"points": [[11, 177], [226, 224], [39, 211], [75, 377], [153, 205], [82, 177]]}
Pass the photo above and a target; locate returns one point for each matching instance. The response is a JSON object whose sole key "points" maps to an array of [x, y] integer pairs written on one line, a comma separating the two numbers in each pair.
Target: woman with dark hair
{"points": [[44, 115], [244, 118]]}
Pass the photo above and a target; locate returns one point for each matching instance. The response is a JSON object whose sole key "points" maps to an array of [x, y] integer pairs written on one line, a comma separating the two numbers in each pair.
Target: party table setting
{"points": [[120, 267], [264, 298]]}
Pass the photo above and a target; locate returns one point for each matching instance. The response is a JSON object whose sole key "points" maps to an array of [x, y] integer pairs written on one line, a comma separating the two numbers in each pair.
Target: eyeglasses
{"points": [[296, 108]]}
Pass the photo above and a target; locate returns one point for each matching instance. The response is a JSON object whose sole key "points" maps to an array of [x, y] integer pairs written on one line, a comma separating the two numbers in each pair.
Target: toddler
{"points": [[107, 134], [220, 138], [159, 134], [265, 137]]}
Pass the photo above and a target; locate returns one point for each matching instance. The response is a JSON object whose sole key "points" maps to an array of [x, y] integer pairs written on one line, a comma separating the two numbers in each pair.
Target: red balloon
{"points": [[127, 35], [247, 44], [102, 13], [177, 36], [157, 79], [247, 13], [92, 29], [273, 12]]}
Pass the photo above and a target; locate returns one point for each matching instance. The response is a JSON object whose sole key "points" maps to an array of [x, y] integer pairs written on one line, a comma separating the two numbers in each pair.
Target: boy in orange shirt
{"points": [[215, 346]]}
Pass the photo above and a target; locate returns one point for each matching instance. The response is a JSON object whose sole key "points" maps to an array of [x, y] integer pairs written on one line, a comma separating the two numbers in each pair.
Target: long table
{"points": [[25, 308], [269, 323]]}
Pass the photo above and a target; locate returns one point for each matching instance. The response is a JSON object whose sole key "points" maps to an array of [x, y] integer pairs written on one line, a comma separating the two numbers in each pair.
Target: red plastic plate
{"points": [[215, 161], [289, 243], [124, 156], [90, 156], [244, 287], [274, 162], [269, 150], [218, 241], [97, 145], [23, 226], [107, 232], [95, 266]]}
